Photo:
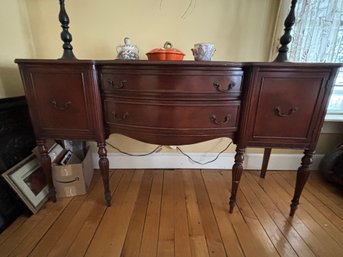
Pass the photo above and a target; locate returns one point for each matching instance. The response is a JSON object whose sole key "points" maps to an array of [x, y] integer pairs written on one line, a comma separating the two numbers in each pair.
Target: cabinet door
{"points": [[64, 101], [287, 107]]}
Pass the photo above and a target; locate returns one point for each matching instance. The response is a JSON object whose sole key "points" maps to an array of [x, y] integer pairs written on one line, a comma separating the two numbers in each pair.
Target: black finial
{"points": [[286, 37], [65, 35]]}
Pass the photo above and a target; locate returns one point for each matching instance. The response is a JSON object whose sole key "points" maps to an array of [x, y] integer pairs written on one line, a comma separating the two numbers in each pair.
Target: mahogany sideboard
{"points": [[179, 102]]}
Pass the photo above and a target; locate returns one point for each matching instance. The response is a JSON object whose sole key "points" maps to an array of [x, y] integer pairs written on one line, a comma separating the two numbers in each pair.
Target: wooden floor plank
{"points": [[152, 220], [219, 195], [28, 235], [182, 240], [72, 230], [166, 239], [330, 191], [312, 195], [196, 231], [331, 199], [184, 213], [314, 220], [292, 236], [12, 228], [25, 249], [101, 238], [246, 224], [91, 223], [134, 234], [213, 237], [281, 198], [277, 238], [56, 231], [109, 239], [263, 246], [124, 216]]}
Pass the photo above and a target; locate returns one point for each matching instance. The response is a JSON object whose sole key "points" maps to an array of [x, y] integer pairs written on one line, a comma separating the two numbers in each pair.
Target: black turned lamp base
{"points": [[65, 34], [286, 37]]}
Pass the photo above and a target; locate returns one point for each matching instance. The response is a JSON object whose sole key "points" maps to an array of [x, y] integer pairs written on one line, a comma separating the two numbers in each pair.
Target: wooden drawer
{"points": [[201, 84], [177, 115]]}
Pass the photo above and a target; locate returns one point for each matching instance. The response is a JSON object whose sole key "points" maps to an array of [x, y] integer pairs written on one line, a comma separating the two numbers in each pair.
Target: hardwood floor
{"points": [[184, 213]]}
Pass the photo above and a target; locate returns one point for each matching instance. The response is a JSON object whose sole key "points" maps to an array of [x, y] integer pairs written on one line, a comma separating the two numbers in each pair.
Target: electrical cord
{"points": [[158, 148], [204, 163]]}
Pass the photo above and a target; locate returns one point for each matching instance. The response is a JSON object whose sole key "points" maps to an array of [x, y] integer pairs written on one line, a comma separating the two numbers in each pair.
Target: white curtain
{"points": [[318, 31], [318, 37]]}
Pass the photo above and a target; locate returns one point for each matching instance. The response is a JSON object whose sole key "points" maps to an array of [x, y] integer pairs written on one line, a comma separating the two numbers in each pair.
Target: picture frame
{"points": [[28, 180]]}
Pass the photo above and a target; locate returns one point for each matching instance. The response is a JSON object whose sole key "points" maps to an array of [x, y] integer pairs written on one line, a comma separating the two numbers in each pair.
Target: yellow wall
{"points": [[241, 30], [15, 41]]}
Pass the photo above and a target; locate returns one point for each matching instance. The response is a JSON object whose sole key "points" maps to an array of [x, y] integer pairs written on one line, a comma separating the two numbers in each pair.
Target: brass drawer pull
{"points": [[229, 87], [226, 119], [279, 112], [120, 117], [62, 107], [117, 85]]}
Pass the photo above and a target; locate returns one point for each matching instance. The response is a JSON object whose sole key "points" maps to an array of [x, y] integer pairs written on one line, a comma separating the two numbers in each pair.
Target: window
{"points": [[318, 37], [335, 108]]}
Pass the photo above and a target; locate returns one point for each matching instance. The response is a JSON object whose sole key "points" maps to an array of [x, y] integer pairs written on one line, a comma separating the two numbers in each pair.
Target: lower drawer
{"points": [[178, 115]]}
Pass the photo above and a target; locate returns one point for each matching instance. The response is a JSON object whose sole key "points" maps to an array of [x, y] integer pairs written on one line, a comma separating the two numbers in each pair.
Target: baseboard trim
{"points": [[225, 161]]}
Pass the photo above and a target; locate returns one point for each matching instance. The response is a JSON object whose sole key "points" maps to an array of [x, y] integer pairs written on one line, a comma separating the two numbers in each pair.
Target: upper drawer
{"points": [[201, 84]]}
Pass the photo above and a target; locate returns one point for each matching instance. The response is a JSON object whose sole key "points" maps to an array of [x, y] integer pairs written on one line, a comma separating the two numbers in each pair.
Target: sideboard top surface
{"points": [[175, 63]]}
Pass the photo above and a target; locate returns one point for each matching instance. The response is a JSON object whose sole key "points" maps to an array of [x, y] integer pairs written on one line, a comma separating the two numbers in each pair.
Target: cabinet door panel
{"points": [[64, 100], [285, 107], [61, 98]]}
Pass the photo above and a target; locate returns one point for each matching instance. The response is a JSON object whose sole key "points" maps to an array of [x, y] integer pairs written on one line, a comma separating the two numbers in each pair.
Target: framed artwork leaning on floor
{"points": [[28, 181]]}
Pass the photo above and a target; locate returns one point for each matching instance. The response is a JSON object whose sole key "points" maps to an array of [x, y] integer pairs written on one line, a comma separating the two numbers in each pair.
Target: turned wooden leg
{"points": [[302, 176], [46, 167], [237, 170], [104, 167], [266, 156]]}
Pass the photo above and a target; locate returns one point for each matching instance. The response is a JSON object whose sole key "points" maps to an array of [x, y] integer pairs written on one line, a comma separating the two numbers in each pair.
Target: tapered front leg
{"points": [[104, 167], [266, 156], [302, 176], [237, 170], [46, 166]]}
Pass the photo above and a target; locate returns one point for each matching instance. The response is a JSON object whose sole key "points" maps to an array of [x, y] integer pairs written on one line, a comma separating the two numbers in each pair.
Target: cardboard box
{"points": [[54, 150], [73, 178]]}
